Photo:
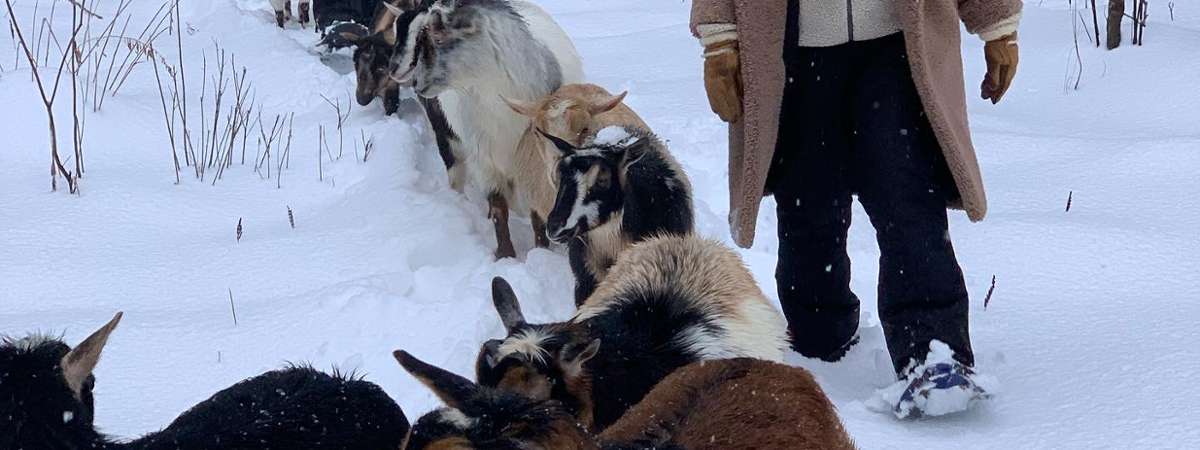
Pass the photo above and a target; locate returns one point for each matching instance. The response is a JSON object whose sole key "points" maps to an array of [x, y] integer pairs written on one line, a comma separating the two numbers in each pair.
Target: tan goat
{"points": [[574, 113]]}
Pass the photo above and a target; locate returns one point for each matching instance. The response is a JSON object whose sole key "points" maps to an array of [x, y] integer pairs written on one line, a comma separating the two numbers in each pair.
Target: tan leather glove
{"points": [[1002, 56], [723, 80]]}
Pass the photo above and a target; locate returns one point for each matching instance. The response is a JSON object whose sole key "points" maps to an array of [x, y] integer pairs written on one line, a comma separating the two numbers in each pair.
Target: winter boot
{"points": [[939, 386]]}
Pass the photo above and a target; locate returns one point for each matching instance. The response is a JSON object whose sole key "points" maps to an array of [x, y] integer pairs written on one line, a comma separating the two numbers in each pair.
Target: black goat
{"points": [[46, 402], [668, 302], [329, 12], [617, 190]]}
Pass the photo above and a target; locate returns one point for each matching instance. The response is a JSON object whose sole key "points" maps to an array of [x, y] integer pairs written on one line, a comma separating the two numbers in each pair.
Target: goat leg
{"points": [[442, 132], [539, 230], [498, 213], [391, 99], [304, 8], [280, 18]]}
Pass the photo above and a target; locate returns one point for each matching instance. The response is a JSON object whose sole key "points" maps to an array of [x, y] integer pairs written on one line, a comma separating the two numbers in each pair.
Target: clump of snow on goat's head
{"points": [[46, 389], [477, 416], [615, 136]]}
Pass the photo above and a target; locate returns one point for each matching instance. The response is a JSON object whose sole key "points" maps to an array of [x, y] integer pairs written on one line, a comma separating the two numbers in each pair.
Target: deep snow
{"points": [[1090, 330]]}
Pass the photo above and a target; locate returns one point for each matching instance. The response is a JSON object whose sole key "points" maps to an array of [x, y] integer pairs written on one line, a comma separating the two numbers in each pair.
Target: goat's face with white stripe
{"points": [[589, 187], [409, 27], [434, 44], [538, 361]]}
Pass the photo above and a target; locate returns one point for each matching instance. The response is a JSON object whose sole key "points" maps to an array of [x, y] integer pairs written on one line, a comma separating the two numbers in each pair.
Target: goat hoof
{"points": [[280, 18]]}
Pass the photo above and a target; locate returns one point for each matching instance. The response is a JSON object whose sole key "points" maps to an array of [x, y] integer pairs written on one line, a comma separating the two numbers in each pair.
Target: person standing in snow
{"points": [[831, 98]]}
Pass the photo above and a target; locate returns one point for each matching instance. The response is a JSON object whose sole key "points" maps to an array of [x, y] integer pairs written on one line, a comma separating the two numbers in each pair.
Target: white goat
{"points": [[483, 50]]}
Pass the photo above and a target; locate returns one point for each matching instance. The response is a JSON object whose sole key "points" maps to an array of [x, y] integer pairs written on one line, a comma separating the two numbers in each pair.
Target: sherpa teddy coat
{"points": [[931, 32]]}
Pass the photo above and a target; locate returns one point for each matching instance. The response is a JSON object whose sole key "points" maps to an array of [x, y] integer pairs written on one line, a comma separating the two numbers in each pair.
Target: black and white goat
{"points": [[283, 11], [485, 50], [732, 404], [620, 188], [667, 302], [46, 402]]}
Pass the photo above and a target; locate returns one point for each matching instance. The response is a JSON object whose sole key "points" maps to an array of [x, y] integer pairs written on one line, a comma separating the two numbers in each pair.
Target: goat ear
{"points": [[350, 36], [573, 356], [563, 146], [506, 304], [78, 363], [394, 9], [524, 108], [632, 152], [607, 104], [455, 391], [389, 36]]}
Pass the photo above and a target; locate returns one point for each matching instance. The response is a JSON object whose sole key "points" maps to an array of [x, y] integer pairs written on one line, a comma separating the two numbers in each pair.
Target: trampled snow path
{"points": [[1090, 330]]}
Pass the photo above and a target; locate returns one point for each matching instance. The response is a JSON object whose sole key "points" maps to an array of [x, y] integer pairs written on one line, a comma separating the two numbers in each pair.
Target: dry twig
{"points": [[988, 298], [232, 309]]}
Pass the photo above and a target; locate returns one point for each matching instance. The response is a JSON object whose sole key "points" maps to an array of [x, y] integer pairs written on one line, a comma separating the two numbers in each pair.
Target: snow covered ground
{"points": [[1090, 330]]}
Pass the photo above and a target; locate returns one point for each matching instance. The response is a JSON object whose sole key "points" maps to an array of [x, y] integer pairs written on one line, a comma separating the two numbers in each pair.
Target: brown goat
{"points": [[733, 404]]}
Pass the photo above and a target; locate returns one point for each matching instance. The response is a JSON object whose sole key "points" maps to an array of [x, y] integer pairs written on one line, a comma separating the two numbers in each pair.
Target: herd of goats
{"points": [[673, 345]]}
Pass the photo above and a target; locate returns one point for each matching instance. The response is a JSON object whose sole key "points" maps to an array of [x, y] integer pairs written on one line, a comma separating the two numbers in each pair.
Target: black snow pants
{"points": [[852, 123]]}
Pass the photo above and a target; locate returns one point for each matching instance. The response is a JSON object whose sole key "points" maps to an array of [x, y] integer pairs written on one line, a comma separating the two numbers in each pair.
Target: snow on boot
{"points": [[939, 386]]}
